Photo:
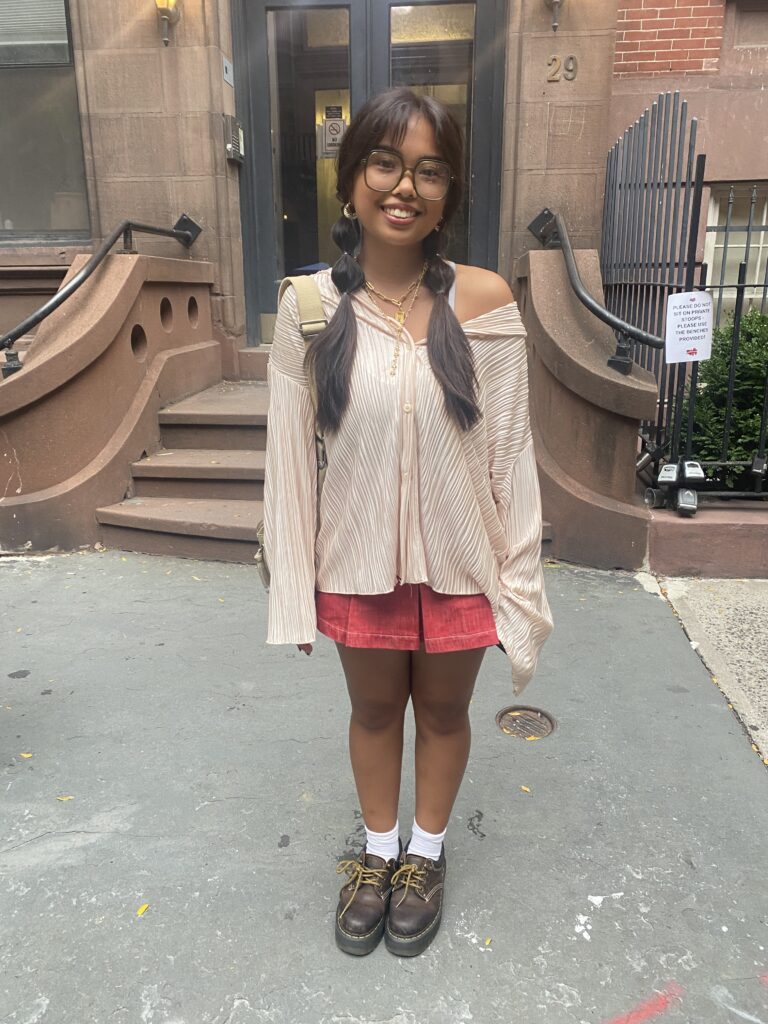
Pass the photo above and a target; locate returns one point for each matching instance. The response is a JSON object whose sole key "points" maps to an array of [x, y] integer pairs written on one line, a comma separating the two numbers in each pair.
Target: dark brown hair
{"points": [[331, 354]]}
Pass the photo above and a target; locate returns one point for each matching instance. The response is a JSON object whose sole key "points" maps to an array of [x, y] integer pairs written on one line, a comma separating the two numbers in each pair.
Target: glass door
{"points": [[431, 50], [305, 67]]}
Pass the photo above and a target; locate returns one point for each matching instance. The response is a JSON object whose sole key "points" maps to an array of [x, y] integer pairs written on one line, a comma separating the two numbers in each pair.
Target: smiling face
{"points": [[400, 217]]}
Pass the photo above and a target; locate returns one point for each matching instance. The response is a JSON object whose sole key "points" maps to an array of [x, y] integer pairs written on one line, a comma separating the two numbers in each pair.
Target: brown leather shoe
{"points": [[363, 902], [416, 905]]}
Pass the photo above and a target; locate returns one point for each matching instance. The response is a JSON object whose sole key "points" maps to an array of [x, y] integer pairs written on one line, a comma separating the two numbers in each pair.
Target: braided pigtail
{"points": [[450, 354], [331, 353]]}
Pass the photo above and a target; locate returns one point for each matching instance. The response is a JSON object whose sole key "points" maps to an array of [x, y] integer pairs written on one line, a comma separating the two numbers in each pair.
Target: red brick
{"points": [[713, 44], [640, 36], [691, 23], [686, 65], [675, 33], [659, 23], [696, 54]]}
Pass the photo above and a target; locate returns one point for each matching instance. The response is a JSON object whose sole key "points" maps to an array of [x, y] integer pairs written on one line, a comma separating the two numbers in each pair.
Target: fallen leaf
{"points": [[142, 909], [65, 798], [532, 737], [25, 755], [221, 600], [525, 789], [488, 942], [197, 578]]}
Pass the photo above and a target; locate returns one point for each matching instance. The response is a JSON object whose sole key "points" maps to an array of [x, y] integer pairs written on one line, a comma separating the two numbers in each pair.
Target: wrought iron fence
{"points": [[651, 215]]}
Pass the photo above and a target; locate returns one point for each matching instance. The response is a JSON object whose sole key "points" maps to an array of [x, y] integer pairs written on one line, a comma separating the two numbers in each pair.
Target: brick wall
{"points": [[661, 37]]}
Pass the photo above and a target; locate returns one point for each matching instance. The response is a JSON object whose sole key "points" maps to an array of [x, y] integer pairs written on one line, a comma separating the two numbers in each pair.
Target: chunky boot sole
{"points": [[412, 945], [359, 945]]}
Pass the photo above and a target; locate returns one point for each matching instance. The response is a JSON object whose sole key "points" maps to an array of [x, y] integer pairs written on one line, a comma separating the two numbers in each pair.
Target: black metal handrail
{"points": [[185, 230], [551, 231]]}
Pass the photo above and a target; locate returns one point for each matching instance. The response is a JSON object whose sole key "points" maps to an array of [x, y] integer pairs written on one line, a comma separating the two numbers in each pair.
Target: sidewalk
{"points": [[209, 779]]}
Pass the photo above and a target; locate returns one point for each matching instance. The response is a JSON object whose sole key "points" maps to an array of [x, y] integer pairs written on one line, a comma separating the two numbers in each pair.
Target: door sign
{"points": [[334, 127]]}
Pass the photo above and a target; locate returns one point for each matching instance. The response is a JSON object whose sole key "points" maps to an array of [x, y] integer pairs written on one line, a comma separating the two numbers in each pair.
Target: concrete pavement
{"points": [[209, 781], [727, 622]]}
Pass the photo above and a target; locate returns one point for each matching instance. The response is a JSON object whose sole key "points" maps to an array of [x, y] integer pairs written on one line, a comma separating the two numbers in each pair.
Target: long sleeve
{"points": [[290, 486], [524, 620]]}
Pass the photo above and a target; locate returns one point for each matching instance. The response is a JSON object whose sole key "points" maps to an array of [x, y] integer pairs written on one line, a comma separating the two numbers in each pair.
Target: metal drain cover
{"points": [[524, 723]]}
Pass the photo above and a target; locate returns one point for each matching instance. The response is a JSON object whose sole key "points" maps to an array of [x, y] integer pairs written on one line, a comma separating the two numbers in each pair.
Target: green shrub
{"points": [[748, 393]]}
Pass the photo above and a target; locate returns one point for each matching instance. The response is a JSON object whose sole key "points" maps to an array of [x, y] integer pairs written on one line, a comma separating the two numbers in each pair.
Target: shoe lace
{"points": [[409, 875], [360, 874]]}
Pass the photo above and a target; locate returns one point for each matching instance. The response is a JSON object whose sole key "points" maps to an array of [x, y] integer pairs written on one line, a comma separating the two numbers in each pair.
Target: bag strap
{"points": [[312, 320], [312, 317], [311, 313]]}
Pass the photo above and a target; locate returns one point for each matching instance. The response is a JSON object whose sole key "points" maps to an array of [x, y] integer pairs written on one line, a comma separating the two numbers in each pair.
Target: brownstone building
{"points": [[230, 111]]}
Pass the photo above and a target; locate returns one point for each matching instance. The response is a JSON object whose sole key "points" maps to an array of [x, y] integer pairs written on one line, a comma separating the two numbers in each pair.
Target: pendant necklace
{"points": [[402, 314]]}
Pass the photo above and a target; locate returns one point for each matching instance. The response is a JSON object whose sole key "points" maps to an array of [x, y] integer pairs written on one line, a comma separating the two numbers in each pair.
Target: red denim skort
{"points": [[409, 616]]}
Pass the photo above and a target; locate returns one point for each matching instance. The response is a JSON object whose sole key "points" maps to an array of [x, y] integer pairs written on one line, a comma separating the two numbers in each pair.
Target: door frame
{"points": [[366, 78]]}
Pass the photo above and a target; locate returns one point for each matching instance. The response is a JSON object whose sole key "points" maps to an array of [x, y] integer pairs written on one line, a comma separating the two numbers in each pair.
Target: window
{"points": [[42, 173], [737, 230]]}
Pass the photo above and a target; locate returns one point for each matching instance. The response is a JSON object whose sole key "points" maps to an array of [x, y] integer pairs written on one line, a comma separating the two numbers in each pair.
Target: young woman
{"points": [[424, 547]]}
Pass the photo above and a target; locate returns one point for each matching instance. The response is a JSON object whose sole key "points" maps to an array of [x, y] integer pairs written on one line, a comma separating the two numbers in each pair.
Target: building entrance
{"points": [[304, 69]]}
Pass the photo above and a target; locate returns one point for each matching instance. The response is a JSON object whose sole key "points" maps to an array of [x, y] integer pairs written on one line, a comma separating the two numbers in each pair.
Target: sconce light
{"points": [[555, 5], [169, 12]]}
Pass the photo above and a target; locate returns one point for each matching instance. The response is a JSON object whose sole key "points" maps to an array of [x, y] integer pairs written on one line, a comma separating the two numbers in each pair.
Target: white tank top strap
{"points": [[452, 292]]}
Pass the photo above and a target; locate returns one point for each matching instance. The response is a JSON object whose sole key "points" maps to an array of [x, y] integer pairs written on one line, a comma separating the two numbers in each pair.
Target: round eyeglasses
{"points": [[384, 170]]}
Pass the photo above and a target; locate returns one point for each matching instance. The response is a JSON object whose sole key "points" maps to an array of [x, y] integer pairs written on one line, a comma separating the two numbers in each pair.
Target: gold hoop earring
{"points": [[349, 211]]}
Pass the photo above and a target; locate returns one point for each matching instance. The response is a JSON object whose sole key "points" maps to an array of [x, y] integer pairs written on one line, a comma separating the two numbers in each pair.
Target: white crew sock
{"points": [[383, 844], [426, 844]]}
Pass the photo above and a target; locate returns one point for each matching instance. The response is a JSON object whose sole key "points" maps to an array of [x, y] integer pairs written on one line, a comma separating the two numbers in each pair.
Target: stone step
{"points": [[252, 362], [231, 415], [210, 528], [201, 473]]}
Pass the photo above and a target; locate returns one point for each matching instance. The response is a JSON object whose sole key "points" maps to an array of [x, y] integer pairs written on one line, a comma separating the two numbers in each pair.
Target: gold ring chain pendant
{"points": [[402, 314]]}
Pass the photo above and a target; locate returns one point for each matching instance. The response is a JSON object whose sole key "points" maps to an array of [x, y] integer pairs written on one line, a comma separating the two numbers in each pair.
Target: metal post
{"points": [[734, 356]]}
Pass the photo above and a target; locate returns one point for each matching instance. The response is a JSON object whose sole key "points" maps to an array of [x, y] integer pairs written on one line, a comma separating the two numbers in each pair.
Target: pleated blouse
{"points": [[408, 497]]}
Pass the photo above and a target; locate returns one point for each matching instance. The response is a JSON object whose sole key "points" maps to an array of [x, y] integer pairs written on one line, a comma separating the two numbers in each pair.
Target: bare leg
{"points": [[441, 688], [378, 682]]}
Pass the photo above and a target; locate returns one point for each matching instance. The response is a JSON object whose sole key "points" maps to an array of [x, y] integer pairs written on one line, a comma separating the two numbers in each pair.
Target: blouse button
{"points": [[407, 407]]}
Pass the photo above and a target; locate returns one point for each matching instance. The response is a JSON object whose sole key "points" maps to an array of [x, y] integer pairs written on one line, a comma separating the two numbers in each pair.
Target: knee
{"points": [[377, 716], [437, 718]]}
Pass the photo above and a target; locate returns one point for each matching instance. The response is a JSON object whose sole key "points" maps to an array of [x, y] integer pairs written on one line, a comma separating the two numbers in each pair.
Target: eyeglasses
{"points": [[384, 170]]}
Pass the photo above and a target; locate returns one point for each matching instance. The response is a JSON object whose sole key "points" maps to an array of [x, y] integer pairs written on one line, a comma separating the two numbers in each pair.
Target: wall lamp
{"points": [[169, 12], [555, 5]]}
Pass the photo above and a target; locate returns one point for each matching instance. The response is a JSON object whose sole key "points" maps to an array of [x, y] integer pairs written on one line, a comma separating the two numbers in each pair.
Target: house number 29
{"points": [[569, 68]]}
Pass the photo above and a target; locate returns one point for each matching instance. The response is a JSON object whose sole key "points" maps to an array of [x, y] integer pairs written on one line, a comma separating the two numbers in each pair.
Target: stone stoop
{"points": [[201, 494]]}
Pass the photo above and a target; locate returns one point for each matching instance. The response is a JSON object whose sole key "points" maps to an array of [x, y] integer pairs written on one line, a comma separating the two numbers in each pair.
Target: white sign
{"points": [[688, 337], [333, 132]]}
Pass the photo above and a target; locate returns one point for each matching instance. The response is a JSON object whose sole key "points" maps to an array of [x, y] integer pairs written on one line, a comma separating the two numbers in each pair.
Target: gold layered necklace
{"points": [[403, 312]]}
